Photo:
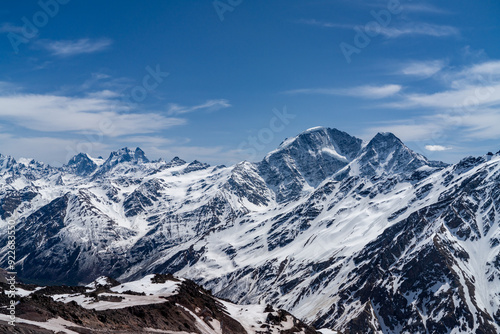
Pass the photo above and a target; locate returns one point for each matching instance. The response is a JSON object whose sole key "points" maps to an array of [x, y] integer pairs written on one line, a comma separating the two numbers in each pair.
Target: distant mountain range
{"points": [[361, 237]]}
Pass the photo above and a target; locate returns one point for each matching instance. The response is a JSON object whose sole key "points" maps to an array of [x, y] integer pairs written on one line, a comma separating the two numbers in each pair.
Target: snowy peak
{"points": [[385, 144], [6, 162], [176, 161], [319, 141], [385, 139], [140, 156], [386, 154], [81, 164], [306, 160], [124, 155], [194, 166]]}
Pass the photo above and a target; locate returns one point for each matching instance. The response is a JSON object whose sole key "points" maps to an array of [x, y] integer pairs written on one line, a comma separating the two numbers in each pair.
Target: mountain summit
{"points": [[81, 164], [306, 160], [124, 155], [386, 154]]}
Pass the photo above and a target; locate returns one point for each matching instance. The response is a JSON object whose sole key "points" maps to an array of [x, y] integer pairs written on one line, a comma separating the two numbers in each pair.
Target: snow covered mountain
{"points": [[358, 237]]}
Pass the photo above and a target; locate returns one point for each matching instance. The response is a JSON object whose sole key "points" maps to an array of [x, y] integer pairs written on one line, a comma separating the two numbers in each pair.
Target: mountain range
{"points": [[360, 237]]}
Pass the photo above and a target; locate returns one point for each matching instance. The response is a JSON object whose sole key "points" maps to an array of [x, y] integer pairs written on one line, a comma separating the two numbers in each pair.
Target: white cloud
{"points": [[423, 8], [477, 125], [97, 113], [466, 127], [423, 69], [367, 91], [482, 74], [156, 141], [438, 148], [456, 100], [424, 29], [210, 105], [408, 29], [466, 109], [408, 130], [53, 151], [95, 123], [468, 89], [374, 92], [489, 67], [75, 47]]}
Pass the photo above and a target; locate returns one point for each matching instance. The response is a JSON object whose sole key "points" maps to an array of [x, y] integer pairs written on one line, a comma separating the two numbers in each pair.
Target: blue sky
{"points": [[223, 81]]}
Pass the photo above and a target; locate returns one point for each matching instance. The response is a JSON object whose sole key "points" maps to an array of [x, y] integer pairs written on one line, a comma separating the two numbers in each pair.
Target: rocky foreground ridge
{"points": [[154, 304]]}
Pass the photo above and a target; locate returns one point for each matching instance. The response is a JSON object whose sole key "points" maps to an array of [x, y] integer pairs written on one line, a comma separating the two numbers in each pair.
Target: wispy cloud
{"points": [[368, 92], [482, 74], [75, 47], [475, 86], [8, 27], [477, 125], [50, 150], [408, 29], [423, 29], [210, 105], [8, 88], [423, 8], [489, 67], [326, 24], [422, 69], [407, 130], [438, 148], [472, 97], [469, 104], [99, 113]]}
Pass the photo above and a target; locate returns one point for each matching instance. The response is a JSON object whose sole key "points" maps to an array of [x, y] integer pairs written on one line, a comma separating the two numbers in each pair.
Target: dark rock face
{"points": [[81, 165], [121, 156], [307, 159], [386, 149], [11, 199], [195, 166]]}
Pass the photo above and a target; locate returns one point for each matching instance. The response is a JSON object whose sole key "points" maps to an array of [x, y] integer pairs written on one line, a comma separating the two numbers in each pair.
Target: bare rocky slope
{"points": [[154, 304]]}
